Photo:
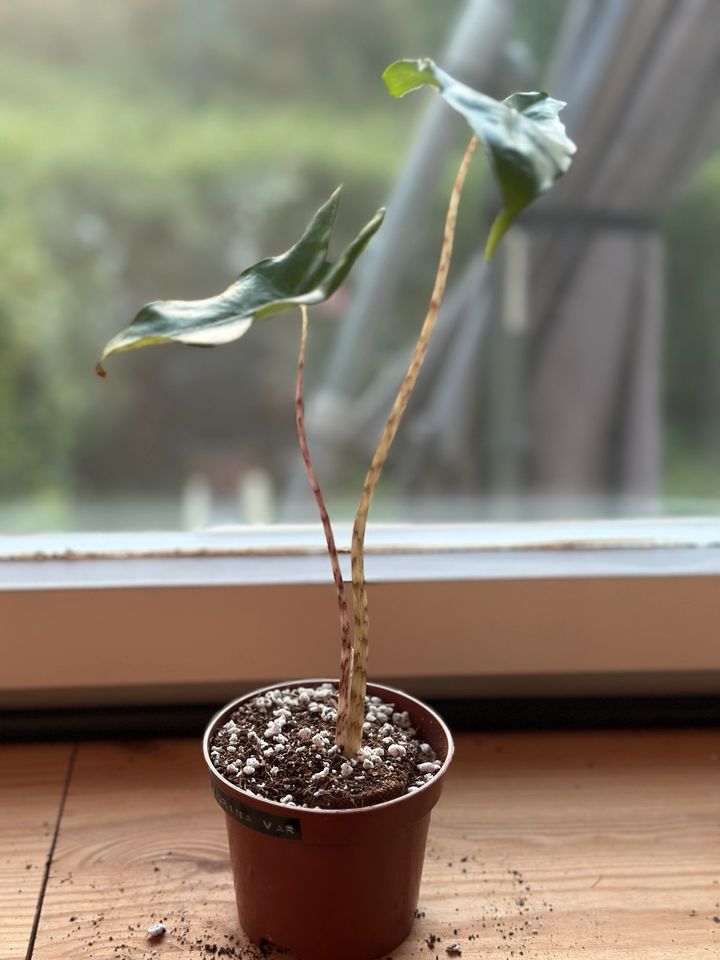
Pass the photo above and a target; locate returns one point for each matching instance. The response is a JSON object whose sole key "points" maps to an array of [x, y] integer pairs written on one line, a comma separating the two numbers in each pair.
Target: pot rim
{"points": [[294, 811]]}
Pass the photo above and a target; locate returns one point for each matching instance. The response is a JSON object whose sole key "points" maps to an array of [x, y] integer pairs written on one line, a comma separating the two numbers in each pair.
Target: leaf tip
{"points": [[100, 370], [388, 77], [402, 76], [330, 207], [499, 228], [378, 217]]}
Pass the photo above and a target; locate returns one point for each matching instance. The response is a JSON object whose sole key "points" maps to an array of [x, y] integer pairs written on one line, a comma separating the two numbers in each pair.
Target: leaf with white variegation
{"points": [[522, 135], [302, 276]]}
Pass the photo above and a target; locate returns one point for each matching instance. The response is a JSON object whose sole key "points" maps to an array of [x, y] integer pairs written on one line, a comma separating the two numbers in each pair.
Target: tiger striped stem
{"points": [[345, 639], [352, 739]]}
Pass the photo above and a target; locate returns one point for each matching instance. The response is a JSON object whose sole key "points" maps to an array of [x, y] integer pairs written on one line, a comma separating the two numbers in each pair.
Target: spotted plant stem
{"points": [[345, 639], [353, 738]]}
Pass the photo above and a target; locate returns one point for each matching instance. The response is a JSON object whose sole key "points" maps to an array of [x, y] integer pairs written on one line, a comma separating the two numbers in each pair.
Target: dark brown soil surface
{"points": [[281, 746]]}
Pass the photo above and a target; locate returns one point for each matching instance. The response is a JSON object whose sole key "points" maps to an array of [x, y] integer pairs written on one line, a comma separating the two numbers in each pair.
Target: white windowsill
{"points": [[395, 553], [92, 619]]}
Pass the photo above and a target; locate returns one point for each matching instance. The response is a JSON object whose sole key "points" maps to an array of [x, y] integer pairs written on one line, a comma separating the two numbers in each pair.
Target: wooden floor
{"points": [[546, 845]]}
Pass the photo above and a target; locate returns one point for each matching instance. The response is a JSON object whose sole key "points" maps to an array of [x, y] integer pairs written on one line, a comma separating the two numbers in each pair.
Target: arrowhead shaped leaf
{"points": [[522, 135], [303, 275]]}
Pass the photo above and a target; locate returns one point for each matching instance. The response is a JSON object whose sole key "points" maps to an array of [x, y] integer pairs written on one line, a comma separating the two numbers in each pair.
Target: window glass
{"points": [[154, 148]]}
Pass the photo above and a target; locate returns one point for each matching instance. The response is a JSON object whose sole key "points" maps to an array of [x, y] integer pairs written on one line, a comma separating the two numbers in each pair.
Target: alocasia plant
{"points": [[528, 150], [299, 278]]}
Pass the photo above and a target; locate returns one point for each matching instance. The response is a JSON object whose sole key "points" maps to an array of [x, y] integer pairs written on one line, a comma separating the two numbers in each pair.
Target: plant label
{"points": [[285, 828]]}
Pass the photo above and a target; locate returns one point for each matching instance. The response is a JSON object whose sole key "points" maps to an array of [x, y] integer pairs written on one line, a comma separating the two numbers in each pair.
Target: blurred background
{"points": [[154, 148]]}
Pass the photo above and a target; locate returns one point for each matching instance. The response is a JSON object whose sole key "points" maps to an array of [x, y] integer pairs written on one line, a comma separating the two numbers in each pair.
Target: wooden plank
{"points": [[32, 778], [142, 840], [603, 845]]}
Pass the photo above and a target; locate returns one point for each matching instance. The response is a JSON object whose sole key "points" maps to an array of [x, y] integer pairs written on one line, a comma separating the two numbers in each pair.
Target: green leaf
{"points": [[303, 275], [522, 135]]}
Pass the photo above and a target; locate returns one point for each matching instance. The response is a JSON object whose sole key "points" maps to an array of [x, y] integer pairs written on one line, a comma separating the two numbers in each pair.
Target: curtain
{"points": [[569, 400]]}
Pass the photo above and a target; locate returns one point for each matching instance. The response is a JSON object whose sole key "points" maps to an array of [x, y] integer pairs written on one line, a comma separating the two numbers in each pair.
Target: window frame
{"points": [[585, 608]]}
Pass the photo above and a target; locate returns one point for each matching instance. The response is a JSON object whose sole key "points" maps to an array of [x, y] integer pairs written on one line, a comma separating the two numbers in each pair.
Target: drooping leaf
{"points": [[303, 275], [522, 135]]}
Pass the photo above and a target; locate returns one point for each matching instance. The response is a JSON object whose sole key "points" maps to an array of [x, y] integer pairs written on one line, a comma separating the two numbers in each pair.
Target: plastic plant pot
{"points": [[329, 884]]}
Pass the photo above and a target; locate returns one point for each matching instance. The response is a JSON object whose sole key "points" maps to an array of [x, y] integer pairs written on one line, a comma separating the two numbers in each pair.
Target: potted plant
{"points": [[328, 786]]}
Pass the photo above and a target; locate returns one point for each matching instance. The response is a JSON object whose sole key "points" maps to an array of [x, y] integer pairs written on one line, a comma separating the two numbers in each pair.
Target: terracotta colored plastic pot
{"points": [[331, 884]]}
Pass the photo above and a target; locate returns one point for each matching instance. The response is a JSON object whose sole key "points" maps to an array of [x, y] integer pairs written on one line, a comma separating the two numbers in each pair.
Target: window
{"points": [[153, 149]]}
